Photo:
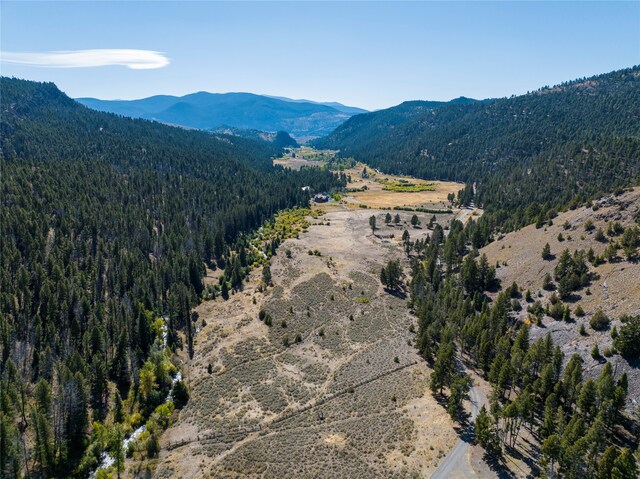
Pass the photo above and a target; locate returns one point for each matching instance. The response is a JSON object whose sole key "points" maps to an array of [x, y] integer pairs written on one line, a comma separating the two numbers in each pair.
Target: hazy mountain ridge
{"points": [[352, 110], [204, 110]]}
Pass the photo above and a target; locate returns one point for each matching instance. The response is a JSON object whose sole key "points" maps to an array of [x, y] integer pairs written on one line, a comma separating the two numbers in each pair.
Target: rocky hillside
{"points": [[613, 284]]}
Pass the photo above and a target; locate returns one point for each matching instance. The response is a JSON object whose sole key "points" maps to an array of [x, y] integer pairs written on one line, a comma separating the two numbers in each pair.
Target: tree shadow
{"points": [[495, 285], [634, 363], [526, 458], [572, 298], [398, 293], [498, 466]]}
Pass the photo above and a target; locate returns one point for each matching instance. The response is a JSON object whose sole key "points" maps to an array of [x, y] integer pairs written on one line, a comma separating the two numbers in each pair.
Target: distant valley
{"points": [[302, 119]]}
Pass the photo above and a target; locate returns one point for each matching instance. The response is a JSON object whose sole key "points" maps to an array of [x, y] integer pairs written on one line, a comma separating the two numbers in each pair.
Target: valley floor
{"points": [[347, 397]]}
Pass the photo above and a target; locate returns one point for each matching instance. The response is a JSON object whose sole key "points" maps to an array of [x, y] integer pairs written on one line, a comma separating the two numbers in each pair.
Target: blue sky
{"points": [[366, 54]]}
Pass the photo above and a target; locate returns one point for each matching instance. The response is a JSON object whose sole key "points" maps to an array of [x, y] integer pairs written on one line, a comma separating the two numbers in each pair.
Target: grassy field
{"points": [[375, 189], [405, 186]]}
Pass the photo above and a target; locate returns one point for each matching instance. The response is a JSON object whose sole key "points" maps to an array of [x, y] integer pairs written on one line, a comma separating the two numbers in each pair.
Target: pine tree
{"points": [[9, 451], [443, 367], [552, 449], [624, 466], [266, 274], [459, 390], [391, 274], [607, 461], [116, 449], [118, 408], [372, 223], [486, 434]]}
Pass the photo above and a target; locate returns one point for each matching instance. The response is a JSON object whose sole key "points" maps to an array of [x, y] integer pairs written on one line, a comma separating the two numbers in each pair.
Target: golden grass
{"points": [[416, 192]]}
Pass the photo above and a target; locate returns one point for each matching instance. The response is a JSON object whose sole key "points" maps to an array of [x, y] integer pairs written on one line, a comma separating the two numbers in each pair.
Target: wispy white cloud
{"points": [[135, 59]]}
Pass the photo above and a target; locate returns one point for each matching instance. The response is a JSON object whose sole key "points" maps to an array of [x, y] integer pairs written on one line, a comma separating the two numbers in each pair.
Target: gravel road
{"points": [[457, 465]]}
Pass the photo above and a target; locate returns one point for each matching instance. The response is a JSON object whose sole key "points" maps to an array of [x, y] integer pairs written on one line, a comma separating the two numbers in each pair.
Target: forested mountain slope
{"points": [[360, 132], [205, 110], [527, 154], [105, 225], [280, 139]]}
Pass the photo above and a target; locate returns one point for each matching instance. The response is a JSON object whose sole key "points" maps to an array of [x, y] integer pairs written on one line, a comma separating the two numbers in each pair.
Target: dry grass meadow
{"points": [[375, 195], [347, 397]]}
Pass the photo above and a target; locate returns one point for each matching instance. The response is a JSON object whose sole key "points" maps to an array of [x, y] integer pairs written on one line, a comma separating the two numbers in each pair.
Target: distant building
{"points": [[321, 198]]}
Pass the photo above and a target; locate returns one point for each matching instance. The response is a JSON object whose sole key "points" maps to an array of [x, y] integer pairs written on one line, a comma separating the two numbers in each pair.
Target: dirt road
{"points": [[457, 464]]}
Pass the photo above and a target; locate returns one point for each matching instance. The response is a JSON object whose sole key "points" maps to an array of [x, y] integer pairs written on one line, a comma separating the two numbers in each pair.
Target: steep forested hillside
{"points": [[280, 139], [106, 224], [240, 110], [360, 132], [526, 154]]}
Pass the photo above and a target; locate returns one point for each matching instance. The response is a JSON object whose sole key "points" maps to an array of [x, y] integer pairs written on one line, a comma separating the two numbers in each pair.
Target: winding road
{"points": [[457, 464]]}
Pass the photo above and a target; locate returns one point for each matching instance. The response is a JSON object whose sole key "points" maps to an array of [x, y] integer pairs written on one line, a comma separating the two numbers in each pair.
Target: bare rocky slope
{"points": [[614, 286]]}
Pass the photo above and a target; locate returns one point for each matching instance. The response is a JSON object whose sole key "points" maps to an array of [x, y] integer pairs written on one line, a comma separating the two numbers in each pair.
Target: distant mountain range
{"points": [[302, 119], [350, 110]]}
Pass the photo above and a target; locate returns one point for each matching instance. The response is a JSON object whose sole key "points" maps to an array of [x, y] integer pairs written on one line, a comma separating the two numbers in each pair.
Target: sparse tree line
{"points": [[576, 426]]}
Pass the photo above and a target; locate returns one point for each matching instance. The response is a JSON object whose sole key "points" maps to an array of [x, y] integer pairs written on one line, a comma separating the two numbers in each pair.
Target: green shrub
{"points": [[180, 395], [600, 321]]}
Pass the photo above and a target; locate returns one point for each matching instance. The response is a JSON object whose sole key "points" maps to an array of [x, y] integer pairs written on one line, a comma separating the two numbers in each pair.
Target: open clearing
{"points": [[375, 196], [350, 399], [304, 156], [371, 187]]}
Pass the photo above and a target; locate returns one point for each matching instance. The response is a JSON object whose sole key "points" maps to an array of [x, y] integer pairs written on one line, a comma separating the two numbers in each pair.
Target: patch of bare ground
{"points": [[334, 388]]}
